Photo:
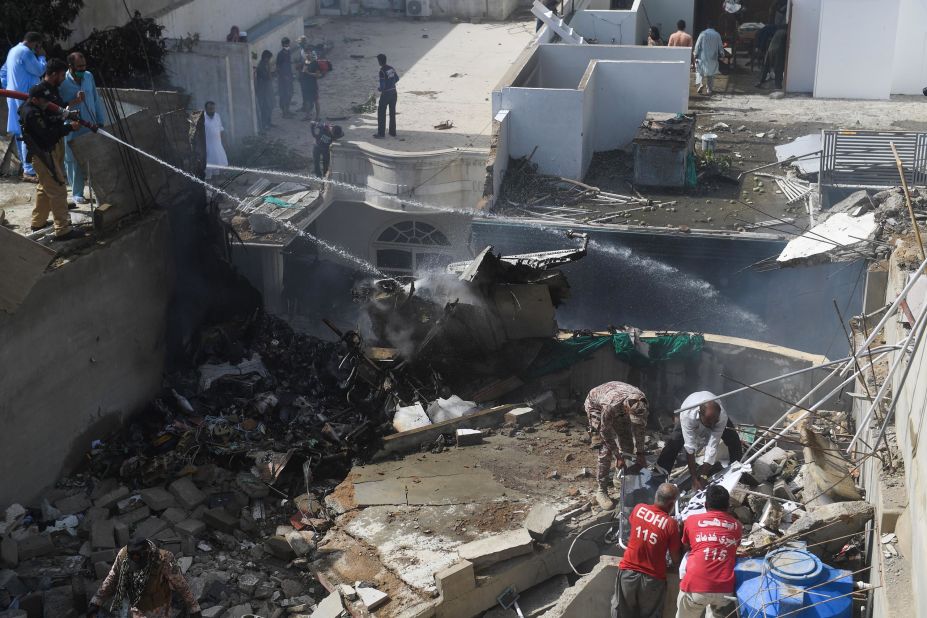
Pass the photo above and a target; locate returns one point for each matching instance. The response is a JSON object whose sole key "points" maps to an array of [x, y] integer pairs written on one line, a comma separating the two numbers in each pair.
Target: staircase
{"points": [[556, 24]]}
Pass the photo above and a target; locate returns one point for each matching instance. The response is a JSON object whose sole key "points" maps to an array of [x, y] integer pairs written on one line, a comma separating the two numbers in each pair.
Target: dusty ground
{"points": [[439, 80]]}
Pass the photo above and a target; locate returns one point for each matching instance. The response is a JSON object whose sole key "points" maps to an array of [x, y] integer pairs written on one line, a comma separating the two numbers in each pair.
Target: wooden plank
{"points": [[23, 263]]}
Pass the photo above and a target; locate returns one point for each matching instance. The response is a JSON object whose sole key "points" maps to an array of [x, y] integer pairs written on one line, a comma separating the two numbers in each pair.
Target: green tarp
{"points": [[561, 353]]}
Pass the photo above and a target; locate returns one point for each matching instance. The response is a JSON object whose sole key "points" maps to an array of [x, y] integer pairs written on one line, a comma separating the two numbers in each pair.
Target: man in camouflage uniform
{"points": [[617, 412]]}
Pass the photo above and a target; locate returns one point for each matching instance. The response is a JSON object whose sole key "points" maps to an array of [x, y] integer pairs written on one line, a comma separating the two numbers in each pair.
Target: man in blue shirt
{"points": [[324, 135], [24, 68], [79, 91], [387, 88]]}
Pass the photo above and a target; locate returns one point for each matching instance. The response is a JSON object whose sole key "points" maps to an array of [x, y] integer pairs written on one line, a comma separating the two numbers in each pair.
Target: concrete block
{"points": [[71, 505], [348, 592], [330, 607], [769, 464], [121, 531], [188, 495], [129, 504], [9, 552], [521, 417], [248, 582], [213, 612], [174, 515], [220, 519], [185, 562], [109, 499], [278, 546], [158, 498], [372, 598], [301, 542], [150, 527], [540, 520], [826, 527], [497, 548], [59, 603], [781, 490], [191, 527], [456, 580], [239, 611], [35, 546], [103, 534], [469, 437], [133, 517]]}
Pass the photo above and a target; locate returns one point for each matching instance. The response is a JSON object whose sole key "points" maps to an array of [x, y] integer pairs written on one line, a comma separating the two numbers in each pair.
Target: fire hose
{"points": [[64, 111]]}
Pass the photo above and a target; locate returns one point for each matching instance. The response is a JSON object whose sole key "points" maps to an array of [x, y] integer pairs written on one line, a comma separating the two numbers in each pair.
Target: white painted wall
{"points": [[501, 161], [608, 27], [591, 103], [550, 119], [805, 25], [855, 63], [621, 104], [665, 13], [910, 67], [562, 66]]}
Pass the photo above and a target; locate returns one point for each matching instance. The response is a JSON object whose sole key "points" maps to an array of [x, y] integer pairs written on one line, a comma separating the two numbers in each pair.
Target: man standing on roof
{"points": [[215, 139], [680, 38], [387, 88], [707, 52], [617, 413], [285, 77], [79, 91], [23, 69], [640, 588], [43, 131], [712, 538], [702, 423]]}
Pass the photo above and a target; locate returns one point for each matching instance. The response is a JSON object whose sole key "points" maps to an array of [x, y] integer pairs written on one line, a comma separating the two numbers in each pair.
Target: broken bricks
{"points": [[521, 417]]}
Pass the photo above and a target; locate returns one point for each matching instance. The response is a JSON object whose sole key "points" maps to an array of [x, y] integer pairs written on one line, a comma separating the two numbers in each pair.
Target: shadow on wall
{"points": [[695, 284]]}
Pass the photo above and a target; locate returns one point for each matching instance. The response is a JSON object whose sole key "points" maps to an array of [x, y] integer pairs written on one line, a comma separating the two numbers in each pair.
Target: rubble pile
{"points": [[781, 501], [228, 470]]}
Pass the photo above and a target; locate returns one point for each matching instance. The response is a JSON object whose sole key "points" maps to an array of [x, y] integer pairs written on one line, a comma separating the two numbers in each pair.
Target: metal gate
{"points": [[858, 159]]}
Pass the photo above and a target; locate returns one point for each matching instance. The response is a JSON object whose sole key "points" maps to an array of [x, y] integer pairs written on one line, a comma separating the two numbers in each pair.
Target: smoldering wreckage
{"points": [[236, 468]]}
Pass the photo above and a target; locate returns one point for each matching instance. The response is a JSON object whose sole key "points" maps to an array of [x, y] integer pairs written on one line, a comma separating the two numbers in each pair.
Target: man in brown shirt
{"points": [[140, 582], [680, 38]]}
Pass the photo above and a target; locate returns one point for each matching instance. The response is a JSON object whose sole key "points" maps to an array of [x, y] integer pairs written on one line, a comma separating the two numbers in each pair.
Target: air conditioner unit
{"points": [[418, 8]]}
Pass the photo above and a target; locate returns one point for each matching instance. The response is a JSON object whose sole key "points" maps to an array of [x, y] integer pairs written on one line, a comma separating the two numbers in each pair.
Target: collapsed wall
{"points": [[85, 348]]}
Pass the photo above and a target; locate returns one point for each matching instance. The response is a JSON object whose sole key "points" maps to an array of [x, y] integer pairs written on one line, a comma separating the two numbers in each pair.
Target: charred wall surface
{"points": [[84, 349]]}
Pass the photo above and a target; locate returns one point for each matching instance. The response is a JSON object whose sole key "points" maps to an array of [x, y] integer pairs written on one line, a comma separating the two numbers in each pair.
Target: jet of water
{"points": [[340, 251]]}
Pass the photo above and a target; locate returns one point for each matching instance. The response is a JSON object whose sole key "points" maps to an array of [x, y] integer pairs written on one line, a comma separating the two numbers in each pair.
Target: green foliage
{"points": [[50, 17], [129, 56]]}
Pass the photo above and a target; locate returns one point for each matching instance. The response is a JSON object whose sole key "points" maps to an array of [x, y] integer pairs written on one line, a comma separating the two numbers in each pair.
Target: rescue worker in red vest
{"points": [[325, 135], [617, 413], [140, 583], [640, 588], [712, 538]]}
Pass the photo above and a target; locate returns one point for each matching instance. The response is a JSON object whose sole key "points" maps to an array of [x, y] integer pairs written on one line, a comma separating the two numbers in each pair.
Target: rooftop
{"points": [[436, 85]]}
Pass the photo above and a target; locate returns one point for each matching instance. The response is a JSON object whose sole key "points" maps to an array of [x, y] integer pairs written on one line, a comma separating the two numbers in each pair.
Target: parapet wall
{"points": [[84, 349]]}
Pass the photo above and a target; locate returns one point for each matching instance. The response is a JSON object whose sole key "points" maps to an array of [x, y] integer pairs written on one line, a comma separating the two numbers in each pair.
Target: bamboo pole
{"points": [[907, 198]]}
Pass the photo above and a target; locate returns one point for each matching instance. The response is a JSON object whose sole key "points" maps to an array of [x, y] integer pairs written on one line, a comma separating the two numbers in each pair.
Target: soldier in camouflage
{"points": [[617, 413]]}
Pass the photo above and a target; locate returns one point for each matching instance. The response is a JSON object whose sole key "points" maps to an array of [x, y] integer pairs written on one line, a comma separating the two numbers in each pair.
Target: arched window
{"points": [[411, 247]]}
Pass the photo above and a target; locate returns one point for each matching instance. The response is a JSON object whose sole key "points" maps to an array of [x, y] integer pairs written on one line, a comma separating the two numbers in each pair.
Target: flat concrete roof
{"points": [[426, 55]]}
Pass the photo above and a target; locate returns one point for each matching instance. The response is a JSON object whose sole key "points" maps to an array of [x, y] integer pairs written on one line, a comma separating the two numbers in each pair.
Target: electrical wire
{"points": [[570, 550]]}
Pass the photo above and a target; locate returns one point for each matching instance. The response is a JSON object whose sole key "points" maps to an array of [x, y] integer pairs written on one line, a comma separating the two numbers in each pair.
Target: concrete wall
{"points": [[500, 155], [449, 178], [609, 27], [910, 66], [211, 19], [269, 35], [851, 66], [85, 349], [910, 415], [603, 113], [562, 66], [468, 9], [805, 23], [558, 135], [220, 72], [623, 105]]}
